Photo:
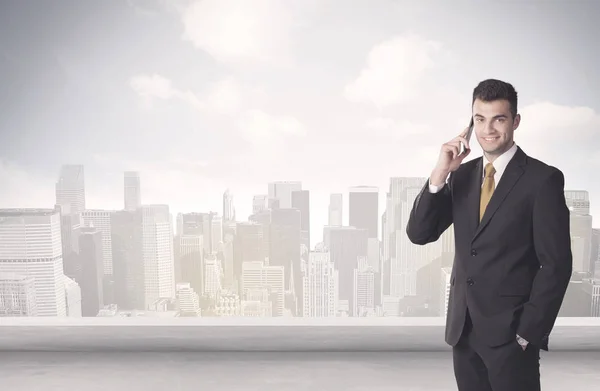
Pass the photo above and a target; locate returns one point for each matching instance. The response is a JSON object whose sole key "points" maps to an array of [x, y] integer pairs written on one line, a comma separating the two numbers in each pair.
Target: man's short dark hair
{"points": [[492, 89]]}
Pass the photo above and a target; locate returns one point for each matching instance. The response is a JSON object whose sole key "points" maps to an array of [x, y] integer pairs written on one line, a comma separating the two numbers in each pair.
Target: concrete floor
{"points": [[159, 371]]}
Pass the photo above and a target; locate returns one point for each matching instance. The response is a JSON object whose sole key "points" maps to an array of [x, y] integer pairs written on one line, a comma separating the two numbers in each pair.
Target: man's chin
{"points": [[495, 151]]}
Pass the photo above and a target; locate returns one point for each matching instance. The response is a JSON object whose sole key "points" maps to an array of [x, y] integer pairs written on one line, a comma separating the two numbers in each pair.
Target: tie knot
{"points": [[489, 170]]}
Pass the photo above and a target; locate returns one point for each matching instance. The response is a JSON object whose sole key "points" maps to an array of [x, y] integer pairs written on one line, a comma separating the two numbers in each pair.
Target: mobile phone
{"points": [[463, 148]]}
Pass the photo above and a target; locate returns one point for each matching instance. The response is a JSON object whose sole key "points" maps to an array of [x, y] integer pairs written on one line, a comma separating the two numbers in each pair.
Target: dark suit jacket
{"points": [[512, 269]]}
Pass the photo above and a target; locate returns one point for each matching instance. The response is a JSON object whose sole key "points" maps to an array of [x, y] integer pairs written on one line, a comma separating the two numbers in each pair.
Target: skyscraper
{"points": [[228, 209], [301, 201], [581, 229], [92, 271], [363, 209], [335, 210], [30, 246], [158, 254], [70, 188], [132, 190], [280, 193]]}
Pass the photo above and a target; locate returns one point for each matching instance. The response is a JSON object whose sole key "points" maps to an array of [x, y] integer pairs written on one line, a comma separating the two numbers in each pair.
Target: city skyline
{"points": [[200, 261], [317, 218]]}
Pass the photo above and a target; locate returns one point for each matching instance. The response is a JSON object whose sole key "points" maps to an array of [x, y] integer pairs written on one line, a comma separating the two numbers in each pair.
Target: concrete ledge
{"points": [[256, 334]]}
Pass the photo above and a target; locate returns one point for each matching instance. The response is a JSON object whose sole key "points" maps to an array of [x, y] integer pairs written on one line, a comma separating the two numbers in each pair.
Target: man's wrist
{"points": [[438, 178]]}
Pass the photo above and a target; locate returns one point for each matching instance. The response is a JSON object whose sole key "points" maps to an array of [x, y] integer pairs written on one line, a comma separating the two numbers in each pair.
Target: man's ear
{"points": [[517, 121]]}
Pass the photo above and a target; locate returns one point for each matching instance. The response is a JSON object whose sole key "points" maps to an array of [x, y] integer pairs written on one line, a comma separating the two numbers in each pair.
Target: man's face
{"points": [[494, 126]]}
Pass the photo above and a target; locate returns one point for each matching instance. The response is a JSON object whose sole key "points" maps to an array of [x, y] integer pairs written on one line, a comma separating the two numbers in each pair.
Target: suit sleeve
{"points": [[431, 214], [552, 242]]}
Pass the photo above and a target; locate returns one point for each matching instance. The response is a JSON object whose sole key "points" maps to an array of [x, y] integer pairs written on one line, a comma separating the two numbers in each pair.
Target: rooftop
{"points": [[15, 212], [148, 353], [256, 334]]}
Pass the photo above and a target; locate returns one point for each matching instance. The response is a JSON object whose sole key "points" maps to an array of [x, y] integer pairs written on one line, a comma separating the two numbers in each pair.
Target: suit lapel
{"points": [[511, 175]]}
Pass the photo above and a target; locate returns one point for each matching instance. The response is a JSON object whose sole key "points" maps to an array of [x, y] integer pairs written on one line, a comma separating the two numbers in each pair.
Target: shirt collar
{"points": [[501, 161]]}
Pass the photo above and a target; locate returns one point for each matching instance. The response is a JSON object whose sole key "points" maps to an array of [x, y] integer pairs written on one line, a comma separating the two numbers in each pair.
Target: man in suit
{"points": [[513, 256]]}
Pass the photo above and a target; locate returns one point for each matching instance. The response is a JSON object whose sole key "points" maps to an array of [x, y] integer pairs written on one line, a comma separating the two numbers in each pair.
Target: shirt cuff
{"points": [[433, 188], [522, 341]]}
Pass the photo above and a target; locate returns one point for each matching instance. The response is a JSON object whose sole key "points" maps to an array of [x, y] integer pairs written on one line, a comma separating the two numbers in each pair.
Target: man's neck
{"points": [[492, 157]]}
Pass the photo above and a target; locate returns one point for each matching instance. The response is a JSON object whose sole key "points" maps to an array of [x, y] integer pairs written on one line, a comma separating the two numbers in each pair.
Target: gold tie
{"points": [[487, 190]]}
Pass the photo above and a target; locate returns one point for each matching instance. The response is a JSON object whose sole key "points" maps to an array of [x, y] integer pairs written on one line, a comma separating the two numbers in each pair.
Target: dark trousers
{"points": [[478, 367]]}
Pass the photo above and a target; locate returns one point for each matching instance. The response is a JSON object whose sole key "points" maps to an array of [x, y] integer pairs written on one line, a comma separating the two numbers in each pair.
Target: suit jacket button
{"points": [[473, 252], [470, 281]]}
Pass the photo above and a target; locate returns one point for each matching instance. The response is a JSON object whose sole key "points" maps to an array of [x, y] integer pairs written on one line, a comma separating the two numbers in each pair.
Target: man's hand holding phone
{"points": [[450, 157]]}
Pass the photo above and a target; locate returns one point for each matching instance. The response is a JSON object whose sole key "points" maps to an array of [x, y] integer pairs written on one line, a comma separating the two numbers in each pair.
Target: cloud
{"points": [[565, 136], [239, 30], [398, 129], [153, 86], [546, 129], [228, 98], [394, 70], [224, 97], [554, 122], [268, 131], [115, 164], [150, 87]]}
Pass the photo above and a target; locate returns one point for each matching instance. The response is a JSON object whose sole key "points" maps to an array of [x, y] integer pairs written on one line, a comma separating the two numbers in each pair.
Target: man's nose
{"points": [[489, 127]]}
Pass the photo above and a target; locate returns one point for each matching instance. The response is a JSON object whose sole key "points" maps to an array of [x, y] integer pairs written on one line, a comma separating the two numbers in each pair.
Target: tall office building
{"points": [[280, 193], [190, 254], [595, 253], [209, 225], [216, 232], [92, 271], [301, 201], [228, 208], [132, 191], [213, 276], [100, 219], [581, 229], [363, 209], [397, 208], [320, 282], [70, 188], [30, 246], [73, 298], [335, 210], [578, 201], [285, 240], [158, 254], [250, 244], [409, 258], [190, 224], [70, 228], [128, 270], [347, 245], [364, 288]]}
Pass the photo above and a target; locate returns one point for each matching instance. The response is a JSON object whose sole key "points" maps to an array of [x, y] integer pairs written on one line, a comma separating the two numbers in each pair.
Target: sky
{"points": [[201, 96]]}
